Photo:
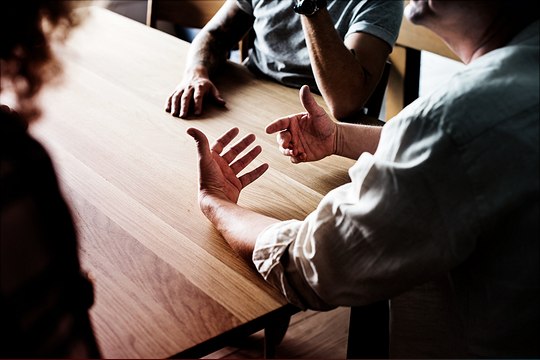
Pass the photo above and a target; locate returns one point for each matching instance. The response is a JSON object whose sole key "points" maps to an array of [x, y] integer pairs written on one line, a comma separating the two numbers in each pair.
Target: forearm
{"points": [[239, 226], [339, 75], [210, 48], [351, 140], [206, 55]]}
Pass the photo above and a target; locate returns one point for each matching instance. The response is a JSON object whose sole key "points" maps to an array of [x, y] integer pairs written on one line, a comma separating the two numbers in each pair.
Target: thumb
{"points": [[309, 103], [203, 147]]}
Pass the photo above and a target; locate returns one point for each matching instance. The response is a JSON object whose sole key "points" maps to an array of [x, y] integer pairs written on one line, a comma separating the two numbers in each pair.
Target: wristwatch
{"points": [[308, 7]]}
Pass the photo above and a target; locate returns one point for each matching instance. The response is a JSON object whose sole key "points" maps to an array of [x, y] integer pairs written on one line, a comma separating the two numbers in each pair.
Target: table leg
{"points": [[369, 331], [274, 334]]}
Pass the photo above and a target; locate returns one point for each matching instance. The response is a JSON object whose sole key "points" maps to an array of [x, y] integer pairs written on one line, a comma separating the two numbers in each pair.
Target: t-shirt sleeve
{"points": [[379, 18], [246, 6]]}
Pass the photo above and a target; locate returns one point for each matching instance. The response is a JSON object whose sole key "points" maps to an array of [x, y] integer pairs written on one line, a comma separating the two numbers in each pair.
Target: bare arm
{"points": [[353, 139], [239, 226], [207, 53], [345, 78], [209, 49], [220, 185]]}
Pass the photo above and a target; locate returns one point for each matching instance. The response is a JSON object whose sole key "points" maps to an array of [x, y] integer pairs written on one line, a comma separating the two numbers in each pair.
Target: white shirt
{"points": [[452, 187]]}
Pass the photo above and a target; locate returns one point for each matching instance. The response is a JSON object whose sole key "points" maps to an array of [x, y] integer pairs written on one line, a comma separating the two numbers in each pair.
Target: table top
{"points": [[165, 280]]}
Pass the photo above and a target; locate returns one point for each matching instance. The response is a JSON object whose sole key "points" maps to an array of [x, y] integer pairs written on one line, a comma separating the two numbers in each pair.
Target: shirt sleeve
{"points": [[399, 222], [246, 6], [379, 18]]}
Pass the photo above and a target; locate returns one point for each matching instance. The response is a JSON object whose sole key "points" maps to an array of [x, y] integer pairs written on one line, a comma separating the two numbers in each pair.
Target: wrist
{"points": [[338, 137], [198, 71], [209, 205]]}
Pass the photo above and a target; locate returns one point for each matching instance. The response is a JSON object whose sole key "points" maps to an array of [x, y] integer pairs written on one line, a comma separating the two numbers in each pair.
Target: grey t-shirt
{"points": [[280, 50]]}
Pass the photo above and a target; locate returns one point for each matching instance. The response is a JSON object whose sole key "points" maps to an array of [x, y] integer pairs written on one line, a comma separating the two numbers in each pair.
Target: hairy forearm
{"points": [[210, 48], [339, 75], [351, 140], [239, 226], [206, 54]]}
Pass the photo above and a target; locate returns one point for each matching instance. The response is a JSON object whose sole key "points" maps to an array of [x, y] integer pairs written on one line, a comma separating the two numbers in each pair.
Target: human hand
{"points": [[218, 174], [308, 136], [190, 94]]}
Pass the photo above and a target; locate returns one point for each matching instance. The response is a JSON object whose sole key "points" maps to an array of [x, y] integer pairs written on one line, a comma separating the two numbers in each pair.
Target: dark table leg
{"points": [[369, 331], [274, 334]]}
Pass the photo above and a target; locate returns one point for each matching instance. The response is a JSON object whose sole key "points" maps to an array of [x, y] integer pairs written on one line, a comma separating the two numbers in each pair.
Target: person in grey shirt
{"points": [[447, 188], [339, 50]]}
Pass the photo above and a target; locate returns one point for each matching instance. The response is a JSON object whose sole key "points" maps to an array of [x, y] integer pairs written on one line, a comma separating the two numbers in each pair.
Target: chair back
{"points": [[404, 77], [374, 104], [187, 13], [191, 14]]}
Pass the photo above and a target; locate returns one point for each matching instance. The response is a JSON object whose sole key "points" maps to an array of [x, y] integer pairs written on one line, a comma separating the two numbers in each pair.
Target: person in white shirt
{"points": [[448, 186]]}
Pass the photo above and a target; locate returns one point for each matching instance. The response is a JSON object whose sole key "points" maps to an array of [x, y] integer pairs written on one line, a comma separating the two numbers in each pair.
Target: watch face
{"points": [[305, 7]]}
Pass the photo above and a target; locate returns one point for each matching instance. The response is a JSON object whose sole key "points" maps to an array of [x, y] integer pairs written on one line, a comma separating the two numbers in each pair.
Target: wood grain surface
{"points": [[165, 280]]}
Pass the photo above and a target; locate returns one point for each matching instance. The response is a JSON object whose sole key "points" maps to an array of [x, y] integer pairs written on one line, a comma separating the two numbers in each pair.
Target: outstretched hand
{"points": [[218, 173], [308, 136]]}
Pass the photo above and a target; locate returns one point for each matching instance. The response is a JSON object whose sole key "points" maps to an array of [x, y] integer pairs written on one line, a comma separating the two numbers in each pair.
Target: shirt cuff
{"points": [[270, 257]]}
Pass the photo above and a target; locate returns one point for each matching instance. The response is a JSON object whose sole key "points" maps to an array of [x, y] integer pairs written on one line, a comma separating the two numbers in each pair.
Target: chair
{"points": [[404, 77], [188, 13], [374, 104], [191, 14]]}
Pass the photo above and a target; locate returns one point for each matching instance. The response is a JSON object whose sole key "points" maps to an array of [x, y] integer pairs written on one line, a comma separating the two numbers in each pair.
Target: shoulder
{"points": [[378, 18], [501, 86], [372, 8]]}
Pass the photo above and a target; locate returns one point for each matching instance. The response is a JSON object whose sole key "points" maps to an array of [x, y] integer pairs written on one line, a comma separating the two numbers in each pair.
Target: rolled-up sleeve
{"points": [[396, 224]]}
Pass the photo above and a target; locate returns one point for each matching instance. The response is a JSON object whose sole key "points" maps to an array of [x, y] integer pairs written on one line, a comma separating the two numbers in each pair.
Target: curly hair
{"points": [[27, 61]]}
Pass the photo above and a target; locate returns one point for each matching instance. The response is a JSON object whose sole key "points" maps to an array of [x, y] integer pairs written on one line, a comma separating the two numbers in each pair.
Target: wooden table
{"points": [[167, 284]]}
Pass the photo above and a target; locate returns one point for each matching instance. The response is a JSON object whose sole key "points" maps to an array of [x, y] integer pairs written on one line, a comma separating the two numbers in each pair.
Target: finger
{"points": [[294, 143], [240, 146], [203, 148], [286, 152], [253, 175], [175, 105], [280, 124], [224, 140], [286, 145], [299, 158], [168, 103], [198, 97], [185, 102], [284, 139], [309, 103], [245, 160]]}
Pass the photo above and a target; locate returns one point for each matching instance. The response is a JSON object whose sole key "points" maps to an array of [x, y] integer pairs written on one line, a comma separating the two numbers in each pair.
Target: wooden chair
{"points": [[191, 14], [404, 78], [188, 13], [374, 104]]}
